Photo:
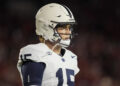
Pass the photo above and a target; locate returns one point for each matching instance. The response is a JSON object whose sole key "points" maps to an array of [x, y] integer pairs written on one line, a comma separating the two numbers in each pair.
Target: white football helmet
{"points": [[48, 17]]}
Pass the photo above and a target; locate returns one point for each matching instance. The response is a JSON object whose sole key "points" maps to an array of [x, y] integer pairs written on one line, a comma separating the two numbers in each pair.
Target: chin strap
{"points": [[62, 43], [65, 43], [55, 46]]}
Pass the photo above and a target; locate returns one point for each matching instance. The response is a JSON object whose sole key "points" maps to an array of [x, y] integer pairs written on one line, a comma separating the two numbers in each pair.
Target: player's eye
{"points": [[64, 26]]}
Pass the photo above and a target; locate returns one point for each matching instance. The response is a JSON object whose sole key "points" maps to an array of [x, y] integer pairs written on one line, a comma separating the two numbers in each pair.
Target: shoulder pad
{"points": [[33, 52]]}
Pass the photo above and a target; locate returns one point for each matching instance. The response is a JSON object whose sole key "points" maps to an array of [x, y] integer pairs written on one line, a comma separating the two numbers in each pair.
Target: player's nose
{"points": [[68, 31]]}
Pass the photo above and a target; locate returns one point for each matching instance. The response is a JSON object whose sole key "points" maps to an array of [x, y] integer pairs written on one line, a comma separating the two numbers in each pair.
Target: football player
{"points": [[49, 63]]}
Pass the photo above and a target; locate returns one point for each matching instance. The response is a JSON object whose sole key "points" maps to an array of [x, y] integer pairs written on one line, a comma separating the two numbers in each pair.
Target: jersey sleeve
{"points": [[36, 56], [30, 53]]}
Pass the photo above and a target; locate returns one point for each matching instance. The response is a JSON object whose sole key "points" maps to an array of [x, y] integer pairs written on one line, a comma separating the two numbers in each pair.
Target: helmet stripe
{"points": [[68, 10]]}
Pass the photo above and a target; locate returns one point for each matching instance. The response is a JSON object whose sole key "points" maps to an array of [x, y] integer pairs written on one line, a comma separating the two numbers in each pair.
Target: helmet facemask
{"points": [[63, 42]]}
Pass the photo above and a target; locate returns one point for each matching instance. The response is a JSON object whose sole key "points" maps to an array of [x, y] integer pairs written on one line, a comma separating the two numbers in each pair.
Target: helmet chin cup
{"points": [[65, 43]]}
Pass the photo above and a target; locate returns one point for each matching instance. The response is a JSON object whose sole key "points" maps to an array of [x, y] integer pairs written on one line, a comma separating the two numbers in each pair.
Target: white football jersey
{"points": [[59, 70]]}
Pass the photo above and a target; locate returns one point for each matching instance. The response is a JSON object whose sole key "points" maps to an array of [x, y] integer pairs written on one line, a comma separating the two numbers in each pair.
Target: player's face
{"points": [[64, 31]]}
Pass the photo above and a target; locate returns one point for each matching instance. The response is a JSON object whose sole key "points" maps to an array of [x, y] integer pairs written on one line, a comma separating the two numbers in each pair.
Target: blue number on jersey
{"points": [[69, 72], [59, 74], [24, 57]]}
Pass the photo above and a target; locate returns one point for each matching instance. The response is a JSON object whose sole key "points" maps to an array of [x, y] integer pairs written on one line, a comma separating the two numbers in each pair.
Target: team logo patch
{"points": [[73, 56], [49, 53]]}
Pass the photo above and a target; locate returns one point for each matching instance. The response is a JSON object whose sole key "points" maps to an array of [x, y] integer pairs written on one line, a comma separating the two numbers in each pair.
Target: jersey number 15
{"points": [[69, 73]]}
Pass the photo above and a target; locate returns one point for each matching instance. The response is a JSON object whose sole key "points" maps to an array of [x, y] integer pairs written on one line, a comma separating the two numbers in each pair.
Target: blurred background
{"points": [[97, 41]]}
